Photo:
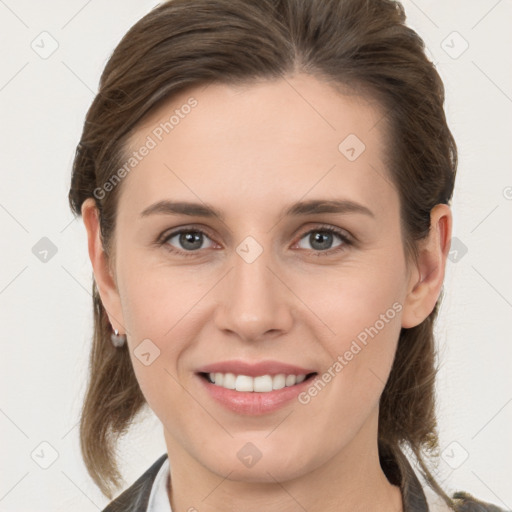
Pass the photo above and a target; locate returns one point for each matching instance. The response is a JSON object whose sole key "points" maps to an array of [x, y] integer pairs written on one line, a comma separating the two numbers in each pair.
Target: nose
{"points": [[254, 299]]}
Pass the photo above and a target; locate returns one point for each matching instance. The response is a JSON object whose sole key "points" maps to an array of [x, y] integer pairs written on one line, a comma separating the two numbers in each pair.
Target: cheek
{"points": [[360, 357], [155, 296], [363, 312], [353, 301], [163, 305]]}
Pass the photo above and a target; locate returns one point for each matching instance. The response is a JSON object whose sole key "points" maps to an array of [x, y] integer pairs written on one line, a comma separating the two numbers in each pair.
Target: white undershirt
{"points": [[434, 501], [159, 500]]}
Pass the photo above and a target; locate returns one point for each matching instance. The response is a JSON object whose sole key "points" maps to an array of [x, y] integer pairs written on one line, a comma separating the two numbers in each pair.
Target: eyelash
{"points": [[347, 242]]}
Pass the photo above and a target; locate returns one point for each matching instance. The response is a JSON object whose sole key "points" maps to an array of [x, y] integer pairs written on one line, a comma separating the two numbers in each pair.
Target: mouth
{"points": [[259, 384], [255, 387], [254, 396]]}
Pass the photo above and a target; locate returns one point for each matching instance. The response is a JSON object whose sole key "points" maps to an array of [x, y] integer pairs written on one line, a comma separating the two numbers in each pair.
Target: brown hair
{"points": [[356, 45]]}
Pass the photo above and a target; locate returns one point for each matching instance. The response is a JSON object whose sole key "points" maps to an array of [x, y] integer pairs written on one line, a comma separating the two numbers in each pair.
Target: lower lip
{"points": [[254, 403]]}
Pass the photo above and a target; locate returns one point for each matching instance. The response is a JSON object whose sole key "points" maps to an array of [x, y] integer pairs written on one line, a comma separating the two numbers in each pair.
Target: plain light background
{"points": [[46, 307]]}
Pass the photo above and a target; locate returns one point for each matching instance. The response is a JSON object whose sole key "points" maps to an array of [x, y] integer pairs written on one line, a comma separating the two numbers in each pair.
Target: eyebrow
{"points": [[310, 207]]}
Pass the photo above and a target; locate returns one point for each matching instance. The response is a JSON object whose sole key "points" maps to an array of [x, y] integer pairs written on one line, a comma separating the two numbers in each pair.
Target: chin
{"points": [[248, 464]]}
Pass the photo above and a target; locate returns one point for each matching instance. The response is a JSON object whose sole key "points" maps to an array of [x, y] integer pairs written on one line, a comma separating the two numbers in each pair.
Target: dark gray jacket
{"points": [[135, 498]]}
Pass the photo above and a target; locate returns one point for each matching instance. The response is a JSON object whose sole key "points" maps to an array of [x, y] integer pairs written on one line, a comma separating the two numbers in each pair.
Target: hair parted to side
{"points": [[357, 45]]}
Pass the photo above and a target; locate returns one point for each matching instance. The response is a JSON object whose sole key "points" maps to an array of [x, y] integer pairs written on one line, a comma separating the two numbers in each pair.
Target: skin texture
{"points": [[249, 152]]}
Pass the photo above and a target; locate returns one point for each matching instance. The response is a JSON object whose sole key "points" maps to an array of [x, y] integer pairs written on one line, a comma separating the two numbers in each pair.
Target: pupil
{"points": [[193, 238], [318, 238]]}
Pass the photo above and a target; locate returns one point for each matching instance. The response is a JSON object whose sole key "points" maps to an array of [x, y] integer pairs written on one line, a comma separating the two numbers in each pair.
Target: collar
{"points": [[400, 472]]}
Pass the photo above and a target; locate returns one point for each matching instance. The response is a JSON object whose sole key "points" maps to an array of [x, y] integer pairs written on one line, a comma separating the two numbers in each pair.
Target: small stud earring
{"points": [[118, 340]]}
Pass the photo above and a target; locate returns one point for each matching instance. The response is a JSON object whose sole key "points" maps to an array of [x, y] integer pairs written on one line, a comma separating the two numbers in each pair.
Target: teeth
{"points": [[260, 384]]}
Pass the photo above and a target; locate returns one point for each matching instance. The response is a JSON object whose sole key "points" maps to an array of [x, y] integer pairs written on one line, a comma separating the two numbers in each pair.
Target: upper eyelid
{"points": [[176, 231]]}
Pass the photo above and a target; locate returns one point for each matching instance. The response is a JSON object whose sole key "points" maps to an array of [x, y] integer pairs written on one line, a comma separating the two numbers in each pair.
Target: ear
{"points": [[427, 278], [103, 276]]}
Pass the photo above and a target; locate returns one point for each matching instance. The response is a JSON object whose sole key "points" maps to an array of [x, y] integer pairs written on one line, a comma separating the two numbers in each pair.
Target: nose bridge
{"points": [[253, 284], [254, 300]]}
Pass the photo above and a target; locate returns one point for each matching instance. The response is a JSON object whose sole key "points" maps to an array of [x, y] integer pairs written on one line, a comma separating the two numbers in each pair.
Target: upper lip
{"points": [[253, 369]]}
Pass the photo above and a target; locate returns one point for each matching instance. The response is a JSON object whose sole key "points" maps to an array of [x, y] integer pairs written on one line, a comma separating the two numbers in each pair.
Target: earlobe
{"points": [[105, 282], [426, 282]]}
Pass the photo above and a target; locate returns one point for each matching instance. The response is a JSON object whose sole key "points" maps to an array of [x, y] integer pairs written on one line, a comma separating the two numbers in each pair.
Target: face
{"points": [[322, 289]]}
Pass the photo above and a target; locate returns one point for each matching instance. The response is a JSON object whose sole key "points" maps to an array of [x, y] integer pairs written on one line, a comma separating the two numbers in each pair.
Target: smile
{"points": [[243, 398], [258, 384]]}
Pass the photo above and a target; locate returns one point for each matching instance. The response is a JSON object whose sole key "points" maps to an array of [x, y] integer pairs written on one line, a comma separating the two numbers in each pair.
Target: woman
{"points": [[265, 188]]}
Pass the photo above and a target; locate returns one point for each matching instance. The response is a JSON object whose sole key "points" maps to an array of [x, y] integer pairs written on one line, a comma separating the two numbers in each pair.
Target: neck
{"points": [[352, 480]]}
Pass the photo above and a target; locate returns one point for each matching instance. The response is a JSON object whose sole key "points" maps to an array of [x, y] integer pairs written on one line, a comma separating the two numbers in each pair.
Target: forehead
{"points": [[262, 144]]}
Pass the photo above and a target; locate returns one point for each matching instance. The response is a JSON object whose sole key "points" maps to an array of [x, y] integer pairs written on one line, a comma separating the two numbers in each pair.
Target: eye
{"points": [[189, 240], [320, 240]]}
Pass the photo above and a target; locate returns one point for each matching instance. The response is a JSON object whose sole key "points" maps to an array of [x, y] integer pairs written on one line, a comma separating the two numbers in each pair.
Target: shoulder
{"points": [[464, 501], [136, 497], [469, 503]]}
